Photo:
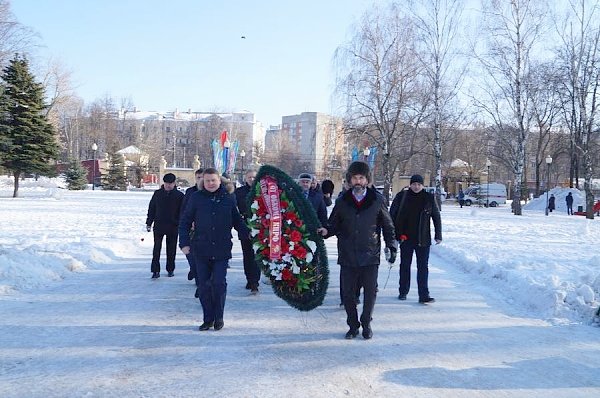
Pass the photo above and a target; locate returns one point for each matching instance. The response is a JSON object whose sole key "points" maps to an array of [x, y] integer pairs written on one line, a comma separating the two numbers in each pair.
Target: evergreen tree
{"points": [[76, 175], [115, 179], [27, 139]]}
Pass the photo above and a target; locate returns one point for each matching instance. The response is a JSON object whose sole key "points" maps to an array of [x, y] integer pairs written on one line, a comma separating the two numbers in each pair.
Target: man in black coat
{"points": [[198, 175], [357, 219], [214, 212], [569, 200], [163, 212], [250, 268], [412, 211]]}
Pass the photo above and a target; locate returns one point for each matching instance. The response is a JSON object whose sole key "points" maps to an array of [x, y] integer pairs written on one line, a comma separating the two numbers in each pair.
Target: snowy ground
{"points": [[80, 316]]}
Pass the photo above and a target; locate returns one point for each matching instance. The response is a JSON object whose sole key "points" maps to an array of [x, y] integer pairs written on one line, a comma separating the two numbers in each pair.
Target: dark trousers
{"points": [[367, 278], [171, 250], [211, 279], [570, 209], [250, 268], [357, 288], [406, 254]]}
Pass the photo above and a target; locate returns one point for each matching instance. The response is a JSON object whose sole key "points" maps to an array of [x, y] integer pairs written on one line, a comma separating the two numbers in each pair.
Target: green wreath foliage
{"points": [[306, 289]]}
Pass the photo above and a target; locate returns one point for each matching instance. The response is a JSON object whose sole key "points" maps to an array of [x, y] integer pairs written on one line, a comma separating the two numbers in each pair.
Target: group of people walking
{"points": [[204, 217]]}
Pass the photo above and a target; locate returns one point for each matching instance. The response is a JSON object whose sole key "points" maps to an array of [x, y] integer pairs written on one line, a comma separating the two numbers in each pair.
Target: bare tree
{"points": [[514, 29], [579, 60], [545, 107], [379, 79], [14, 37], [438, 27]]}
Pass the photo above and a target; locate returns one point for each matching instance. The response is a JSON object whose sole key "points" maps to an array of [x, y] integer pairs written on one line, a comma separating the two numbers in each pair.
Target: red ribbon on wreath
{"points": [[270, 194]]}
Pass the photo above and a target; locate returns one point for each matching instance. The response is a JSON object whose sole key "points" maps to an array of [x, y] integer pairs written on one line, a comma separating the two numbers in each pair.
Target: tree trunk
{"points": [[17, 175]]}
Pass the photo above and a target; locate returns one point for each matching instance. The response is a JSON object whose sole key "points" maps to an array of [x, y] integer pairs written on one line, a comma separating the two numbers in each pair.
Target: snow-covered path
{"points": [[113, 331], [80, 316]]}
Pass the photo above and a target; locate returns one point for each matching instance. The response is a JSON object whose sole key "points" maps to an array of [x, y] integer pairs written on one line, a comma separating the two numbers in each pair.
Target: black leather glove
{"points": [[148, 228], [391, 254]]}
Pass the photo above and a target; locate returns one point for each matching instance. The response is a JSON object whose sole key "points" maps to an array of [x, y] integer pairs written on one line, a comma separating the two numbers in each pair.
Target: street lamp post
{"points": [[548, 163], [242, 156], [94, 149], [366, 154], [488, 163]]}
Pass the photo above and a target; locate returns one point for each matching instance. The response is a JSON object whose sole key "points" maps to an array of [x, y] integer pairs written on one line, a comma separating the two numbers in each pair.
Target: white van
{"points": [[478, 194]]}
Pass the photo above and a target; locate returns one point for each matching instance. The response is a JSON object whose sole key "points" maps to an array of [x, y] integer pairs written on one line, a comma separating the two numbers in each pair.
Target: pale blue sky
{"points": [[190, 54]]}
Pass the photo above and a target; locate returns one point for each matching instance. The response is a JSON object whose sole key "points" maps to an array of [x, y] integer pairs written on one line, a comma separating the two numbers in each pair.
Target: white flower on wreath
{"points": [[295, 269], [254, 205], [253, 232], [311, 245], [309, 257], [256, 246]]}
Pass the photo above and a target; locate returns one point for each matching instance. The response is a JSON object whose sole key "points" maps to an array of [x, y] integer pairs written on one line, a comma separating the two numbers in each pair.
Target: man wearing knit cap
{"points": [[357, 218], [412, 211], [163, 212]]}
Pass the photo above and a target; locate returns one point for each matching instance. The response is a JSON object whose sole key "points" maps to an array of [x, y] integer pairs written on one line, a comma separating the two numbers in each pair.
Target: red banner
{"points": [[270, 194]]}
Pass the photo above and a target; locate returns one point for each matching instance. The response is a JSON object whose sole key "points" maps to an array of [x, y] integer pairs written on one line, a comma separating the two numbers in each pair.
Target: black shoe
{"points": [[427, 300], [350, 334], [248, 285], [219, 324], [254, 290], [206, 326], [367, 332], [191, 276], [155, 275], [402, 297], [171, 274], [197, 294]]}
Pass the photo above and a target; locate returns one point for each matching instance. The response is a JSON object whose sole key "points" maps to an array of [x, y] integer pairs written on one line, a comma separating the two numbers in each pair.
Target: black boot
{"points": [[350, 334], [367, 332], [206, 326], [155, 275], [219, 324]]}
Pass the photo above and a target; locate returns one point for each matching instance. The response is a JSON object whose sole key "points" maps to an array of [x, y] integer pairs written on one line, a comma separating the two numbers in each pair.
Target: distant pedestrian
{"points": [[412, 211], [569, 200], [214, 213], [250, 268], [163, 212], [461, 198], [551, 203], [198, 176], [357, 218]]}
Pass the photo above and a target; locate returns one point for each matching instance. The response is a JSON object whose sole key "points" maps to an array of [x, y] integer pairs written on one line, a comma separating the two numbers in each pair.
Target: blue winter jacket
{"points": [[213, 214]]}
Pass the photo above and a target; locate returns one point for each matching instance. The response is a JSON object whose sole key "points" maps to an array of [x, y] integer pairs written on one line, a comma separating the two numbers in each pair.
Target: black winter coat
{"points": [[240, 197], [400, 213], [358, 229], [164, 210], [214, 214]]}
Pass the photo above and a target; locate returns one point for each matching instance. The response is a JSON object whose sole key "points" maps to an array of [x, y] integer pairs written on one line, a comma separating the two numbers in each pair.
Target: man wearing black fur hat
{"points": [[163, 211], [357, 218], [412, 211]]}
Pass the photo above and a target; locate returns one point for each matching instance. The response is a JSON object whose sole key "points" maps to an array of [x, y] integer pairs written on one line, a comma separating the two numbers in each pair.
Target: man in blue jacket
{"points": [[214, 212], [163, 212]]}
